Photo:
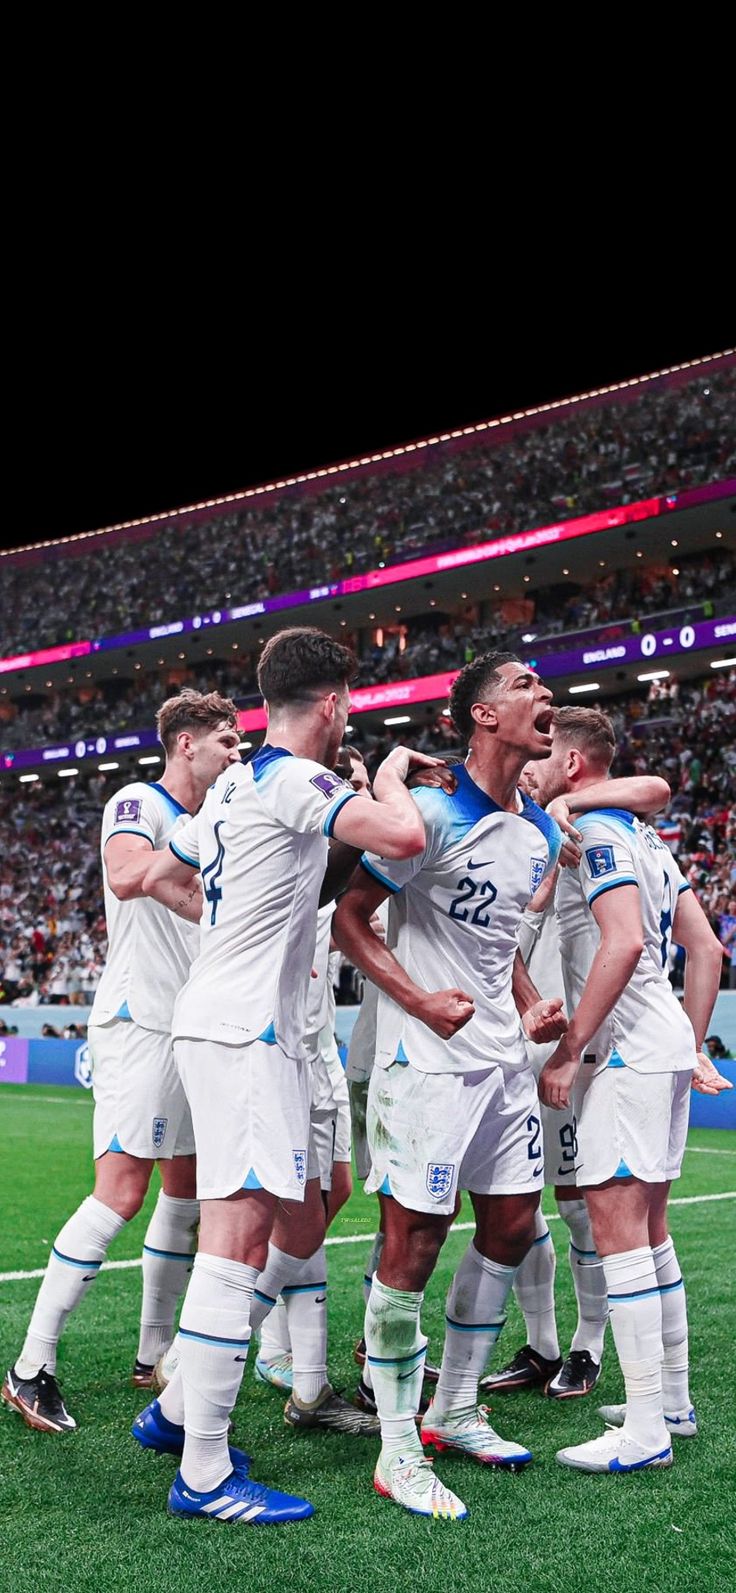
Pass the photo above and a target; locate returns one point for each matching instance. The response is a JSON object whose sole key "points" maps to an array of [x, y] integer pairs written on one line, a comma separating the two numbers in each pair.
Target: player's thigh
{"points": [[299, 1225], [419, 1125], [504, 1155], [140, 1105], [250, 1112]]}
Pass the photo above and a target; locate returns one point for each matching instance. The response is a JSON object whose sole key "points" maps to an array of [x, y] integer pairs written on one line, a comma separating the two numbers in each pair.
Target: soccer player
{"points": [[452, 1100], [628, 1060], [141, 1114], [538, 1364], [260, 843]]}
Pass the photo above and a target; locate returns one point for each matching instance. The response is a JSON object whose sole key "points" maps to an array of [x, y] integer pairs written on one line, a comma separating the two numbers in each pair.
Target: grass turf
{"points": [[88, 1511]]}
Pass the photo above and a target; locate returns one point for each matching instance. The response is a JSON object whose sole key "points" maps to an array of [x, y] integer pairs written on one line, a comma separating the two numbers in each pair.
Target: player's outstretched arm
{"points": [[703, 962], [392, 824], [618, 916], [643, 794], [174, 884], [444, 1011]]}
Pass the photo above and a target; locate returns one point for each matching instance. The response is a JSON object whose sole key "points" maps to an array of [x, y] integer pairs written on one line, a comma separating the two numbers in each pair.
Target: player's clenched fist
{"points": [[445, 1011], [545, 1021]]}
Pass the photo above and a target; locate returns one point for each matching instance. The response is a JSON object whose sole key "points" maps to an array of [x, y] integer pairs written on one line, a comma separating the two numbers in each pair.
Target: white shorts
{"points": [[250, 1110], [559, 1129], [329, 1125], [431, 1134], [630, 1123], [140, 1105]]}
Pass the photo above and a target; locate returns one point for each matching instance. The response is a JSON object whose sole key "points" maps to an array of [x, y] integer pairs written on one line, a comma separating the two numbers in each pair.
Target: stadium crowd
{"points": [[52, 927], [621, 599], [663, 437]]}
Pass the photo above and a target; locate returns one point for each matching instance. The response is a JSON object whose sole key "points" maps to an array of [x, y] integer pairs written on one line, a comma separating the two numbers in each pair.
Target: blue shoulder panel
{"points": [[177, 807], [623, 816], [549, 827], [265, 758]]}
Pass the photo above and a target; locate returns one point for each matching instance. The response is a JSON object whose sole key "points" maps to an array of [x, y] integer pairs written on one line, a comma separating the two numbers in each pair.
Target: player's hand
{"points": [[404, 760], [570, 853], [445, 1011], [540, 899], [558, 1076], [441, 777], [559, 810], [545, 1021], [706, 1078]]}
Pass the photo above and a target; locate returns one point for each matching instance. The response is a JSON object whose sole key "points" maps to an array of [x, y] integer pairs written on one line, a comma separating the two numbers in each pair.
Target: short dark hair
{"points": [[590, 729], [193, 710], [475, 679], [298, 663]]}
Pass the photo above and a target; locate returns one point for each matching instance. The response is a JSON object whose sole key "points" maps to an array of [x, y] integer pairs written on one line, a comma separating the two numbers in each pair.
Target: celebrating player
{"points": [[452, 1099], [260, 843], [141, 1113], [628, 1060]]}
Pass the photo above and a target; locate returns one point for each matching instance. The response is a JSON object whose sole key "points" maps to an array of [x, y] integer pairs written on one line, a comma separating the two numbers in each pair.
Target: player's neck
{"points": [[180, 783], [302, 739], [496, 769]]}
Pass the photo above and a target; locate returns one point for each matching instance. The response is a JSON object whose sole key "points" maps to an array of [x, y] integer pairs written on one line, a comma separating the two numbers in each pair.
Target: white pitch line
{"points": [[708, 1150], [357, 1238], [56, 1100]]}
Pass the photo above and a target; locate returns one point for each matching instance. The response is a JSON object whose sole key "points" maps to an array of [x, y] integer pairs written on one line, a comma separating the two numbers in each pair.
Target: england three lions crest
{"points": [[439, 1179], [158, 1131], [300, 1166], [537, 867]]}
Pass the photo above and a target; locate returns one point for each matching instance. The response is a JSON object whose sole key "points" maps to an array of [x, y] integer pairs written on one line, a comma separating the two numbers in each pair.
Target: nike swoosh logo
{"points": [[489, 864], [319, 1299], [562, 1171], [403, 1375], [89, 1277], [240, 1357], [537, 1172]]}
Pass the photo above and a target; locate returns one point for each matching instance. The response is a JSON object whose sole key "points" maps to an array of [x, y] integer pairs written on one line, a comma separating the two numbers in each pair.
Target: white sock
{"points": [[78, 1252], [588, 1279], [172, 1398], [275, 1340], [636, 1323], [280, 1268], [474, 1318], [215, 1333], [306, 1311], [168, 1257], [675, 1367], [534, 1287], [373, 1261], [396, 1348]]}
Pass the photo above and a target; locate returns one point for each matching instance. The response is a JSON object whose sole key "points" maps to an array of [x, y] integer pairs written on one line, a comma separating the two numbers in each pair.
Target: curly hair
{"points": [[193, 710], [297, 663], [474, 680]]}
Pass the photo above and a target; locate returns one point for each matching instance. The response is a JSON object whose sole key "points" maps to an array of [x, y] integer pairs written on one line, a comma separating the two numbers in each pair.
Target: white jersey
{"points": [[362, 1047], [150, 950], [647, 1030], [453, 920], [260, 844]]}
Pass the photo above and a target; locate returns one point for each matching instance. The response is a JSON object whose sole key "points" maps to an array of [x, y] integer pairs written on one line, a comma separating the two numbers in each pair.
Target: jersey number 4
{"points": [[212, 874]]}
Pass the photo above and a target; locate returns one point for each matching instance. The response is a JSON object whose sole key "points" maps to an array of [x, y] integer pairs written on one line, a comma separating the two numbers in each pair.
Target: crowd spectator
{"points": [[661, 437]]}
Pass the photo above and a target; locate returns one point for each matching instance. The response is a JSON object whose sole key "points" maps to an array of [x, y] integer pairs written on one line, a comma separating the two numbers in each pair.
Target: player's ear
{"points": [[484, 714]]}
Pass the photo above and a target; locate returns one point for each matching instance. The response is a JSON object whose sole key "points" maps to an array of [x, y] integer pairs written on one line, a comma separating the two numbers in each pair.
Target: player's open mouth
{"points": [[543, 721]]}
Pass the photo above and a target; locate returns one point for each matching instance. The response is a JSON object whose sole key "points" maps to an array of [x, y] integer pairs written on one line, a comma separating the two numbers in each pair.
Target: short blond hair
{"points": [[589, 729], [198, 711]]}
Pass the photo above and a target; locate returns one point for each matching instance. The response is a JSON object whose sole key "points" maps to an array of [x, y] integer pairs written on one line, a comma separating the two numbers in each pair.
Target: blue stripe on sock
{"points": [[582, 1252], [265, 1299], [169, 1255], [71, 1261], [304, 1288], [638, 1294], [668, 1288], [396, 1360], [542, 1238], [475, 1327], [211, 1338]]}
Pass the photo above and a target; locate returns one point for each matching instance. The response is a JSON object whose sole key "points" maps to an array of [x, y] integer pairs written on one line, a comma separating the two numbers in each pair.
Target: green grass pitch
{"points": [[87, 1512]]}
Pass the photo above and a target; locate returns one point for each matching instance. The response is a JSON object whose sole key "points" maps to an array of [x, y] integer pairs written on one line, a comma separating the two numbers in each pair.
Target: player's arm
{"points": [[542, 1020], [618, 916], [444, 1011], [173, 883], [643, 794], [703, 958], [342, 859], [126, 859], [391, 825]]}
